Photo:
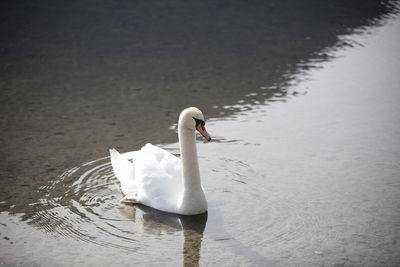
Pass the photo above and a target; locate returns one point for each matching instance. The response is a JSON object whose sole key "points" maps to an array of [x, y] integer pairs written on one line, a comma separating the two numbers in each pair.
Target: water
{"points": [[302, 104]]}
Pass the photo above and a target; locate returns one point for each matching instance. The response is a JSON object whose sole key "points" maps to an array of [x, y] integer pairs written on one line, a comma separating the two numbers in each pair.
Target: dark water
{"points": [[301, 96]]}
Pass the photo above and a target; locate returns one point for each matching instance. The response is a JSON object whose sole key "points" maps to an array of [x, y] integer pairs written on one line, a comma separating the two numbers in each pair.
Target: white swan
{"points": [[154, 177]]}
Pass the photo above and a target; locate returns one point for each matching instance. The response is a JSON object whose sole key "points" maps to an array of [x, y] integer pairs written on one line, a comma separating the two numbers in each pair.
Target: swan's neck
{"points": [[190, 164]]}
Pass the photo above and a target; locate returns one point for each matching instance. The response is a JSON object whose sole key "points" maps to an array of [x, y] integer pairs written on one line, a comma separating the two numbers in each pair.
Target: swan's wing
{"points": [[124, 170], [159, 176]]}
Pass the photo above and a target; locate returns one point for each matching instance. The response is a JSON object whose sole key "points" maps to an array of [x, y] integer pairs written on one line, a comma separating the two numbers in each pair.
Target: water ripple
{"points": [[83, 204], [259, 212], [247, 210]]}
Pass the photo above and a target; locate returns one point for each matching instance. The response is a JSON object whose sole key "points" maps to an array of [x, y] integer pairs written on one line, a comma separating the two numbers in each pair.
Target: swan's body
{"points": [[156, 178]]}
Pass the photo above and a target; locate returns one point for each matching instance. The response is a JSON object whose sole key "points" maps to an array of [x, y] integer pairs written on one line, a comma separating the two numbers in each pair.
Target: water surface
{"points": [[302, 103]]}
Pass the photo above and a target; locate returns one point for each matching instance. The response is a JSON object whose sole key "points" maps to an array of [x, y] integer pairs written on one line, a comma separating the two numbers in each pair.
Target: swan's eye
{"points": [[199, 122]]}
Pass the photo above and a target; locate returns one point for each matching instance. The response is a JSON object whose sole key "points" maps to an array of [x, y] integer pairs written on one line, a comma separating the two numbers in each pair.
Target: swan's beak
{"points": [[200, 127]]}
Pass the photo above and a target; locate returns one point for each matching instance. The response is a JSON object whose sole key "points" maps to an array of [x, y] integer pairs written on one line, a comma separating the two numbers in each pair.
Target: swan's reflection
{"points": [[156, 222]]}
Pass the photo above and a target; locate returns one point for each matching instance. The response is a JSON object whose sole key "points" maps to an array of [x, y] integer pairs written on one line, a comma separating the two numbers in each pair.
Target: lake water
{"points": [[301, 100]]}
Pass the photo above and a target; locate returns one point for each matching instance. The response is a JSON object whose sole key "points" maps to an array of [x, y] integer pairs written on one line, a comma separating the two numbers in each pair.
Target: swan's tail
{"points": [[113, 154], [123, 170]]}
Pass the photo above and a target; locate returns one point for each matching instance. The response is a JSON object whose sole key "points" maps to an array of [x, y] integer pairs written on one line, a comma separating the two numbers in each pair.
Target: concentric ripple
{"points": [[249, 214], [82, 201], [83, 204], [258, 213]]}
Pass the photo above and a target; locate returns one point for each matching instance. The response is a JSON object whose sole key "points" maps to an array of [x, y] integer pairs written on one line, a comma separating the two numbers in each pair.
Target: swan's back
{"points": [[152, 174]]}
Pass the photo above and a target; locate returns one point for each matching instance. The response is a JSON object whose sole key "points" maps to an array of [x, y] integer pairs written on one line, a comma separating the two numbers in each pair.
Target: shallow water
{"points": [[303, 107]]}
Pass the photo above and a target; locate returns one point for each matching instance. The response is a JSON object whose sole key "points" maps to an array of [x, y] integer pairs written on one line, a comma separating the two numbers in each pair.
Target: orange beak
{"points": [[200, 127]]}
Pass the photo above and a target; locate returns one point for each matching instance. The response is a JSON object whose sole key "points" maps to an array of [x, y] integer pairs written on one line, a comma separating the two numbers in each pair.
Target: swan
{"points": [[154, 177]]}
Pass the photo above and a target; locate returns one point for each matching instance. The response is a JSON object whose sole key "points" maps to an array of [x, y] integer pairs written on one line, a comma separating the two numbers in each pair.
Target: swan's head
{"points": [[193, 119]]}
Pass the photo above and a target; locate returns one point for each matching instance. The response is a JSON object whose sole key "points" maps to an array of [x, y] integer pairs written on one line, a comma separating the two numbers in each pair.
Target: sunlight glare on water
{"points": [[326, 186]]}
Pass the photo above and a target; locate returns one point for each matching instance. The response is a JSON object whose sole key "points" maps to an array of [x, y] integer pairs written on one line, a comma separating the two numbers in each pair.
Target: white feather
{"points": [[154, 177]]}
